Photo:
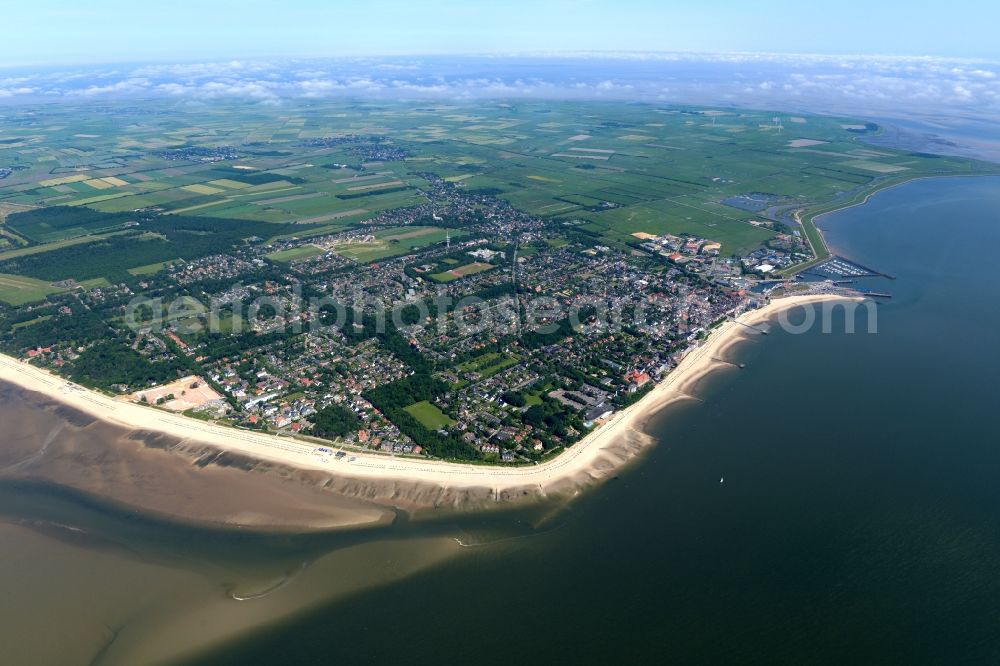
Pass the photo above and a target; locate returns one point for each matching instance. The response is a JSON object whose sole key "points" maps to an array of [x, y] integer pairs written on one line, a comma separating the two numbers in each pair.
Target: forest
{"points": [[392, 399], [111, 363], [152, 239], [334, 421]]}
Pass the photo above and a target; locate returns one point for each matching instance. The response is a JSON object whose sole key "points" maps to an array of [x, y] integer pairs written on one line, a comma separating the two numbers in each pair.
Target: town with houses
{"points": [[495, 336]]}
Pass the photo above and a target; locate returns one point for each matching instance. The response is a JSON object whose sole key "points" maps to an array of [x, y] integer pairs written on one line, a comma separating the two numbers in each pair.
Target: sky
{"points": [[61, 32]]}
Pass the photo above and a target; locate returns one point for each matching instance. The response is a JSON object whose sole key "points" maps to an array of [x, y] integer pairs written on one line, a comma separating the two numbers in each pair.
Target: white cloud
{"points": [[123, 87], [848, 83]]}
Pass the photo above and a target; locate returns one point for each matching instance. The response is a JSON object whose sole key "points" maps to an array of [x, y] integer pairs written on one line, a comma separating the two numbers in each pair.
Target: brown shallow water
{"points": [[43, 440], [123, 547], [74, 597]]}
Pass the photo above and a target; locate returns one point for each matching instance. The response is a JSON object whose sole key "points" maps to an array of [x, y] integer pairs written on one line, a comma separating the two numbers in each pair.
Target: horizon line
{"points": [[580, 54]]}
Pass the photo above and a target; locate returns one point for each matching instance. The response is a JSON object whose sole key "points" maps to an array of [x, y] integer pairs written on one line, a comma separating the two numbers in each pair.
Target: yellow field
{"points": [[202, 189], [75, 178], [98, 184], [117, 182]]}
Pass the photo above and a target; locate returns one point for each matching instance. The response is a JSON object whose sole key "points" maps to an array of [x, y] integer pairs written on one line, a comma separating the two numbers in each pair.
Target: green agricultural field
{"points": [[37, 249], [616, 168], [46, 225], [736, 235], [17, 290], [429, 415]]}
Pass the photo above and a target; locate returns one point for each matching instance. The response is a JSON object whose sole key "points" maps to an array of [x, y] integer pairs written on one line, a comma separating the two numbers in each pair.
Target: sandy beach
{"points": [[413, 482]]}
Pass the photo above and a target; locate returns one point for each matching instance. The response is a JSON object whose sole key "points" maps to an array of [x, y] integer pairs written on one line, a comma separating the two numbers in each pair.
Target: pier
{"points": [[735, 365], [844, 268], [875, 272]]}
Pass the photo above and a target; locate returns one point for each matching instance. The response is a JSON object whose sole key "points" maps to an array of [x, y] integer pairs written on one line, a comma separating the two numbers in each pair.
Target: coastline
{"points": [[814, 218], [409, 482]]}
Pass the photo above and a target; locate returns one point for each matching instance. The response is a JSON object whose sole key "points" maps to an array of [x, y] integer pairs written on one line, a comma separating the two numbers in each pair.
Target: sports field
{"points": [[461, 271], [429, 415]]}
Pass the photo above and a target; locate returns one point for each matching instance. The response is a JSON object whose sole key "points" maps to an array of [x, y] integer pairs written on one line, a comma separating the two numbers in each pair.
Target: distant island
{"points": [[481, 285]]}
